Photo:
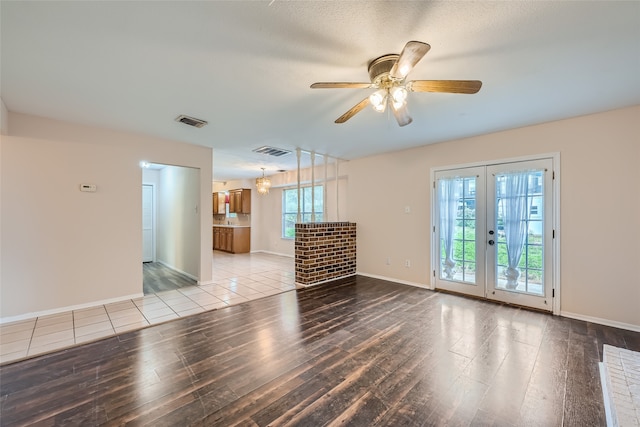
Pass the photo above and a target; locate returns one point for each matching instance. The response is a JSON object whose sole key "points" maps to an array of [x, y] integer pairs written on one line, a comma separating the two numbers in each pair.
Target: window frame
{"points": [[305, 215]]}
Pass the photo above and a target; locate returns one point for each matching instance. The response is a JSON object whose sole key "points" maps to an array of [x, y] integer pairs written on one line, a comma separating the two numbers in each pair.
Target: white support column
{"points": [[337, 185], [325, 216], [299, 218], [313, 186]]}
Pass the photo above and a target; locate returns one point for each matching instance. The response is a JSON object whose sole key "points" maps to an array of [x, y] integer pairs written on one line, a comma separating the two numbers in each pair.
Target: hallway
{"points": [[157, 277]]}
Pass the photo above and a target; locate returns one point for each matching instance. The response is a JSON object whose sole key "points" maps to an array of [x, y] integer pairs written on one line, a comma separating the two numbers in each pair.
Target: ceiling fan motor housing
{"points": [[379, 70]]}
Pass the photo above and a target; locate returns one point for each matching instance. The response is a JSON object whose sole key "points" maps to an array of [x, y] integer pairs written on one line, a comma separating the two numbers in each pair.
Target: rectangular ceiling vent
{"points": [[191, 121], [271, 151]]}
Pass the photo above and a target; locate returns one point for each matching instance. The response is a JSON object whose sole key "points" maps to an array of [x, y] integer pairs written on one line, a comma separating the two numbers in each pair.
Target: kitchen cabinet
{"points": [[236, 240], [219, 204], [240, 201], [226, 239], [216, 237]]}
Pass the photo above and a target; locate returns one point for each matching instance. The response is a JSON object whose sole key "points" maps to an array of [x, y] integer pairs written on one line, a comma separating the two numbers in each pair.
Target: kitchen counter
{"points": [[232, 226]]}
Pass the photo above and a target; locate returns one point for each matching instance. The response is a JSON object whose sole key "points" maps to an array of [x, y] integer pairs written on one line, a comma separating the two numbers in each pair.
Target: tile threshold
{"points": [[237, 279]]}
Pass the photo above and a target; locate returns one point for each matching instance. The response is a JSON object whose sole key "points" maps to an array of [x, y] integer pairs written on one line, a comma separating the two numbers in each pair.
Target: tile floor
{"points": [[236, 279]]}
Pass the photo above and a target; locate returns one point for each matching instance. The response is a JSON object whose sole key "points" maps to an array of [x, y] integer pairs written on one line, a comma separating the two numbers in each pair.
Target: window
{"points": [[226, 207], [290, 208]]}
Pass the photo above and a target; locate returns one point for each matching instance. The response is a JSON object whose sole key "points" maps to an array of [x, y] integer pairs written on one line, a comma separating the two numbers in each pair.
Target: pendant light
{"points": [[263, 184]]}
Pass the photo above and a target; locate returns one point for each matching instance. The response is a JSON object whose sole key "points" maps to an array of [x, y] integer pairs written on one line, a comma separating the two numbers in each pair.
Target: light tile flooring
{"points": [[236, 279]]}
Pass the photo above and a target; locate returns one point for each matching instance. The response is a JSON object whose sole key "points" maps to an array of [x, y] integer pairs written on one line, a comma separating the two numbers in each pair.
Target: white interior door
{"points": [[493, 231], [148, 232]]}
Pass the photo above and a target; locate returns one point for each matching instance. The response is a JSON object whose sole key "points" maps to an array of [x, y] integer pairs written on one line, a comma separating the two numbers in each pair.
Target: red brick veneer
{"points": [[325, 251]]}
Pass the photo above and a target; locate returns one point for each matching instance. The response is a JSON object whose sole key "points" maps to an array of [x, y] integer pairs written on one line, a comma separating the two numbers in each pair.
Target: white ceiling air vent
{"points": [[191, 121], [271, 151]]}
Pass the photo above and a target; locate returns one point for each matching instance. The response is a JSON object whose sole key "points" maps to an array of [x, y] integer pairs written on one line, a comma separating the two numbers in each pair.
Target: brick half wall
{"points": [[324, 251]]}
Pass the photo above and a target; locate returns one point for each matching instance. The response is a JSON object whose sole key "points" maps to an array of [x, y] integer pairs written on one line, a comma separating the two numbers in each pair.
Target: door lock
{"points": [[491, 232], [491, 242]]}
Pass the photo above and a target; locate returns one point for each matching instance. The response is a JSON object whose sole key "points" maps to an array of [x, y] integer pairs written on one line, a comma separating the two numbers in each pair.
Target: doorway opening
{"points": [[170, 227]]}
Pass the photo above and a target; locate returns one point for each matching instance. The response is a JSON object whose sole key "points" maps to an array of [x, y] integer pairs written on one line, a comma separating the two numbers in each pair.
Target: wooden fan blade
{"points": [[352, 112], [448, 86], [401, 114], [340, 85], [412, 53]]}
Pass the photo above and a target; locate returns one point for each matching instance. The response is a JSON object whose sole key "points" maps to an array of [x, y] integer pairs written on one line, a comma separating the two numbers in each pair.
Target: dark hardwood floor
{"points": [[360, 352], [157, 278]]}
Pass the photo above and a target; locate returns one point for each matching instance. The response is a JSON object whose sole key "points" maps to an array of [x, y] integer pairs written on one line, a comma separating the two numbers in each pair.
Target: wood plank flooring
{"points": [[158, 278], [359, 352]]}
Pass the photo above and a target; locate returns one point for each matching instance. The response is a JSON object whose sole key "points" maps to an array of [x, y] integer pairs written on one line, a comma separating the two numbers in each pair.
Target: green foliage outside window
{"points": [[290, 208], [464, 248]]}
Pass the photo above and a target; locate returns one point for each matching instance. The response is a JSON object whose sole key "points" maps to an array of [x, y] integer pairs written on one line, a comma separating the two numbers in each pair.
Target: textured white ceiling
{"points": [[246, 67]]}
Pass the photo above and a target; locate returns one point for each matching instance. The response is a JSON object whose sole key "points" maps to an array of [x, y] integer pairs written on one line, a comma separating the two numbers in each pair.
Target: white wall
{"points": [[151, 176], [84, 244], [63, 248], [600, 207], [178, 231], [4, 130]]}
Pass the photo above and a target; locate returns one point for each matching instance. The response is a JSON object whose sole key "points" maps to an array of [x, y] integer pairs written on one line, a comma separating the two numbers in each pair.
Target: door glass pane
{"points": [[457, 201], [520, 228]]}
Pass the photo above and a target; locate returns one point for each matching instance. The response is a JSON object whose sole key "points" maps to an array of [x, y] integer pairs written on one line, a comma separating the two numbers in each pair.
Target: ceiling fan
{"points": [[388, 74]]}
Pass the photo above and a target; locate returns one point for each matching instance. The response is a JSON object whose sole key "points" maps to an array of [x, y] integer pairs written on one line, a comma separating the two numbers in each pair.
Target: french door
{"points": [[460, 228], [493, 229]]}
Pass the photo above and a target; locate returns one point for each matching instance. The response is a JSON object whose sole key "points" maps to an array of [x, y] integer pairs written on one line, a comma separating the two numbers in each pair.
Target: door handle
{"points": [[491, 242]]}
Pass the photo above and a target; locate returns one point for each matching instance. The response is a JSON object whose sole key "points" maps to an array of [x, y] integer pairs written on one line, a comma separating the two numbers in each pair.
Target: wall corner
{"points": [[4, 118]]}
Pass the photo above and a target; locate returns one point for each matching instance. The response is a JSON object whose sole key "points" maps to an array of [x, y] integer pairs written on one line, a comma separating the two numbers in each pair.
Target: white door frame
{"points": [[153, 219], [555, 245]]}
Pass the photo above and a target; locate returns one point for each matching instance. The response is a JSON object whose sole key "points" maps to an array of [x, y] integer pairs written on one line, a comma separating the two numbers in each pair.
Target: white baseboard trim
{"points": [[271, 253], [35, 314], [190, 276], [205, 282], [601, 321], [592, 319], [302, 286], [392, 279]]}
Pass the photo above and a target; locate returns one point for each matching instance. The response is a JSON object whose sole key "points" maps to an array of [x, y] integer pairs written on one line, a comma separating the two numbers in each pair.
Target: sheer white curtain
{"points": [[516, 207], [450, 190]]}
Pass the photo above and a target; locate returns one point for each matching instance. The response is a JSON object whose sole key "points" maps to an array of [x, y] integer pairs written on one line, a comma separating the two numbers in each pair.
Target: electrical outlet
{"points": [[407, 209], [388, 261], [407, 263]]}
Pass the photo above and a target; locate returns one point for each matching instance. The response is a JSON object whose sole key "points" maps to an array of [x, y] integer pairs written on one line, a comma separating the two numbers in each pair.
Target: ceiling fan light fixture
{"points": [[380, 108], [378, 100], [263, 184], [398, 95]]}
